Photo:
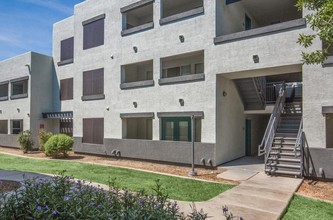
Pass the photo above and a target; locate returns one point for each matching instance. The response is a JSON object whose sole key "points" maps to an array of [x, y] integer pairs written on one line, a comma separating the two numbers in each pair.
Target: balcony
{"points": [[172, 11], [137, 75], [137, 17], [243, 19], [183, 68]]}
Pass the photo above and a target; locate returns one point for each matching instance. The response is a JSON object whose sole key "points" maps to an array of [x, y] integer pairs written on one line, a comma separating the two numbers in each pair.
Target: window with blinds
{"points": [[93, 84], [67, 49], [66, 89], [93, 131], [93, 32]]}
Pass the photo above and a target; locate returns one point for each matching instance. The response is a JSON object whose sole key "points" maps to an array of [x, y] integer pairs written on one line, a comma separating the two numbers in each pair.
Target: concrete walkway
{"points": [[260, 197]]}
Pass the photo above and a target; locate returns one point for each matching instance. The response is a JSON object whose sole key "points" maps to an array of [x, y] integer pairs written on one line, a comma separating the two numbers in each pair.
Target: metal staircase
{"points": [[282, 142], [252, 92]]}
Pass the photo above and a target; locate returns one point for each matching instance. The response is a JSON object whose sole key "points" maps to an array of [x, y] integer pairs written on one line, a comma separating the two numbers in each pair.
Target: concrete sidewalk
{"points": [[260, 197], [19, 176]]}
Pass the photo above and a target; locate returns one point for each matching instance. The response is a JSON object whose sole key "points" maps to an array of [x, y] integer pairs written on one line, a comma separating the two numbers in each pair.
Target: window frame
{"points": [[92, 123], [63, 46], [69, 89], [20, 128], [93, 95], [5, 98], [22, 95]]}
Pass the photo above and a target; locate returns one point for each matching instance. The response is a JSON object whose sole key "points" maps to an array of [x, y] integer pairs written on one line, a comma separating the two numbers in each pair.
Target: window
{"points": [[3, 91], [3, 127], [67, 49], [93, 32], [66, 127], [138, 17], [19, 89], [199, 68], [138, 128], [93, 84], [93, 130], [248, 22], [179, 129], [17, 126], [176, 10], [66, 89]]}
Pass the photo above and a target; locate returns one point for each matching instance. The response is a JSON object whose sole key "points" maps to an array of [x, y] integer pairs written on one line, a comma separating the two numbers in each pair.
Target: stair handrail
{"points": [[260, 86], [298, 142], [273, 123]]}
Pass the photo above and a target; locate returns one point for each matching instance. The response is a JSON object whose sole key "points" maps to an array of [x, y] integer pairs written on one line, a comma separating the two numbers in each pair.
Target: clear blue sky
{"points": [[26, 25]]}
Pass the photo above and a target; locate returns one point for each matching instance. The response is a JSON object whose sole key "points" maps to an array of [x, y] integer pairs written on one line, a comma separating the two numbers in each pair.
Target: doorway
{"points": [[248, 137]]}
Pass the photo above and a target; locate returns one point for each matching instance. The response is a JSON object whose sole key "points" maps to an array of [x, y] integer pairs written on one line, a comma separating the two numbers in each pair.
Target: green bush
{"points": [[64, 198], [43, 137], [25, 141], [57, 144]]}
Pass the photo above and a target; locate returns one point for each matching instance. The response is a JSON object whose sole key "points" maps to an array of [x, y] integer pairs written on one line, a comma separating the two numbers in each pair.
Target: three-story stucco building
{"points": [[129, 75]]}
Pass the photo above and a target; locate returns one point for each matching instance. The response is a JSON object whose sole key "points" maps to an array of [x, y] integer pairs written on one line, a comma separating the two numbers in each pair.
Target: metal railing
{"points": [[266, 145], [260, 85], [300, 145], [271, 91]]}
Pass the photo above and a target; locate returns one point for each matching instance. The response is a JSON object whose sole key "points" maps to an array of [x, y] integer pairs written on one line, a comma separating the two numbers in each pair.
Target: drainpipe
{"points": [[192, 172]]}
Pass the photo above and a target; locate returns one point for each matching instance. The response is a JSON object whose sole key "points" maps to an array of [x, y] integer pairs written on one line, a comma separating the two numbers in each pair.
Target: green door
{"points": [[248, 22], [176, 129], [248, 137]]}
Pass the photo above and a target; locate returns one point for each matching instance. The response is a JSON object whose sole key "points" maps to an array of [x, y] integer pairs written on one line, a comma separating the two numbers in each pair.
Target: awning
{"points": [[58, 115]]}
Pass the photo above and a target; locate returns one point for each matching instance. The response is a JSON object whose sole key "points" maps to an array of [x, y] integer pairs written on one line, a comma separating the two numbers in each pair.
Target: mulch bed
{"points": [[203, 173], [317, 189], [7, 186]]}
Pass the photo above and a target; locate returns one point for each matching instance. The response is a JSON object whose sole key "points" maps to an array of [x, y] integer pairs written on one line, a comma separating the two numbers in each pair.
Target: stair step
{"points": [[287, 160], [284, 172], [278, 147], [284, 154], [288, 166]]}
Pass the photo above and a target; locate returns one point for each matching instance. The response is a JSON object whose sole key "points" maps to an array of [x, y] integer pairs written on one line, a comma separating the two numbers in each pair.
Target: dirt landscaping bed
{"points": [[203, 174], [317, 189], [7, 186]]}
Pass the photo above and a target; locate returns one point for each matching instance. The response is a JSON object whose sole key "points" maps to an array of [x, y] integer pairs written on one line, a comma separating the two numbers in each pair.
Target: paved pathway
{"points": [[260, 197]]}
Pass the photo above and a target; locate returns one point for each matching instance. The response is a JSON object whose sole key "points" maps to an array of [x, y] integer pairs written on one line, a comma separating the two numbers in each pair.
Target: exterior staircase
{"points": [[282, 142], [252, 92], [284, 157]]}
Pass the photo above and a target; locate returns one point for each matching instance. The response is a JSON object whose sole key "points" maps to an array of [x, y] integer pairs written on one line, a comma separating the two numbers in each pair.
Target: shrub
{"points": [[25, 141], [43, 137], [64, 198], [57, 144]]}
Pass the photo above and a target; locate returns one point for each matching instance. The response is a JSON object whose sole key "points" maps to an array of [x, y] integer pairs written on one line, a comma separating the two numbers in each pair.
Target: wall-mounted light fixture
{"points": [[108, 108], [135, 48], [18, 110], [181, 102], [0, 111], [28, 114], [224, 93], [255, 58], [182, 38], [112, 57], [135, 104]]}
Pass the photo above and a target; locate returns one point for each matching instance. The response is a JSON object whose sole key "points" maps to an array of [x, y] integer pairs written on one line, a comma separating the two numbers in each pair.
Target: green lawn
{"points": [[178, 188], [308, 209]]}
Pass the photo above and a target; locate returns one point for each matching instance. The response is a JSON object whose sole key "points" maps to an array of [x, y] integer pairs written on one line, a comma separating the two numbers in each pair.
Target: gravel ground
{"points": [[317, 189], [7, 186]]}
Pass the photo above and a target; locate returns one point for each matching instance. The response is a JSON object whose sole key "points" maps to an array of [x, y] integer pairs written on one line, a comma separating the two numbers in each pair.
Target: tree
{"points": [[321, 22]]}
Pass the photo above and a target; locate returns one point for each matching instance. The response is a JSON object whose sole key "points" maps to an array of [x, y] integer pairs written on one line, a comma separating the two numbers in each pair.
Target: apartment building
{"points": [[130, 75]]}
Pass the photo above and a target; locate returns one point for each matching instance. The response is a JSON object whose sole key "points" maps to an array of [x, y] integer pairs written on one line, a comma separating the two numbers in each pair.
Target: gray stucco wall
{"points": [[162, 151], [319, 159], [9, 140]]}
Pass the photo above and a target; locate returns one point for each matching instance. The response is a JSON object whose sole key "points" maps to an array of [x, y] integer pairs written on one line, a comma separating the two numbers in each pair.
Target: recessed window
{"points": [[19, 89], [138, 128], [138, 17], [93, 32], [93, 84], [66, 89], [3, 91], [93, 131], [66, 51], [183, 65], [3, 127], [171, 7], [179, 129], [17, 126], [137, 75]]}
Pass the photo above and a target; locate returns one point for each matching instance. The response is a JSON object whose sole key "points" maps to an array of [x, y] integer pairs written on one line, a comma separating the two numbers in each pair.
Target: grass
{"points": [[304, 208], [178, 188]]}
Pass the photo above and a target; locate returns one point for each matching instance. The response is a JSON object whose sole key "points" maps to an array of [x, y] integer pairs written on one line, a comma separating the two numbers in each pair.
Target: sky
{"points": [[26, 25]]}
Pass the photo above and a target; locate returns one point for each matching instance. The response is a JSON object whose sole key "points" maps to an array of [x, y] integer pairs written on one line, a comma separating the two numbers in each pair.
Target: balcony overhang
{"points": [[58, 115], [271, 29]]}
